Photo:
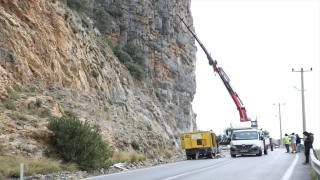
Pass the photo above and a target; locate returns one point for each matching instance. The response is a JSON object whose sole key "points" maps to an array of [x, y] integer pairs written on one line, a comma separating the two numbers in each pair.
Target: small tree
{"points": [[266, 133], [78, 142], [219, 137]]}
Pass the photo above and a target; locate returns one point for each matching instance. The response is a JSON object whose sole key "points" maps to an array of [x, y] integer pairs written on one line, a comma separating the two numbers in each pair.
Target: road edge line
{"points": [[289, 171], [173, 177]]}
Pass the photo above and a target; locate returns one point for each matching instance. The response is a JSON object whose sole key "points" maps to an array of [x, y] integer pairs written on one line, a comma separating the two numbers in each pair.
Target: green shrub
{"points": [[135, 53], [85, 23], [135, 145], [78, 142], [9, 104], [101, 20], [142, 158], [66, 15], [38, 102], [17, 88], [151, 156], [45, 113], [115, 13], [17, 116], [133, 157], [75, 30], [12, 93], [122, 55], [79, 5], [105, 109], [135, 70], [107, 40]]}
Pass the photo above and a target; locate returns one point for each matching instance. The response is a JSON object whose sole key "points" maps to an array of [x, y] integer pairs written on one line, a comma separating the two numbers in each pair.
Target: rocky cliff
{"points": [[54, 59]]}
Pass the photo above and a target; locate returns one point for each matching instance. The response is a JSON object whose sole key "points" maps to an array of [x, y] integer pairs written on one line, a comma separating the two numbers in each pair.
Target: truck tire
{"points": [[188, 157], [265, 152], [260, 152], [193, 156], [210, 155], [233, 155]]}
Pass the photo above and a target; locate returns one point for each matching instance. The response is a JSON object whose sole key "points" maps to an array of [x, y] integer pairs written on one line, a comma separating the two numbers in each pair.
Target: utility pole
{"points": [[281, 144], [302, 94]]}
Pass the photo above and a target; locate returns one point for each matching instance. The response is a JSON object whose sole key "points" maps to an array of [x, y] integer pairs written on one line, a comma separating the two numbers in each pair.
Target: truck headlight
{"points": [[254, 145], [231, 144]]}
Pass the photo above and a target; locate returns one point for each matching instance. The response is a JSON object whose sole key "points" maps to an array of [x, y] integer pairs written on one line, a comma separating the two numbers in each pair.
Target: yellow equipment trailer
{"points": [[199, 144]]}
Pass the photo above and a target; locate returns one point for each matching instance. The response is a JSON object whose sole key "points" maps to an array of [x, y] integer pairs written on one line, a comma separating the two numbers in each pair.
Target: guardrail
{"points": [[315, 163]]}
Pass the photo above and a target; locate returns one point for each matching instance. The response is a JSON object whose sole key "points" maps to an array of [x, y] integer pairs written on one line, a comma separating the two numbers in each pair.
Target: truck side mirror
{"points": [[228, 132], [261, 138]]}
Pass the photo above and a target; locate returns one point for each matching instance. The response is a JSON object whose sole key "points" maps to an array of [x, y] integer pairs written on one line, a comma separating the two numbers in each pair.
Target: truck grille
{"points": [[243, 147]]}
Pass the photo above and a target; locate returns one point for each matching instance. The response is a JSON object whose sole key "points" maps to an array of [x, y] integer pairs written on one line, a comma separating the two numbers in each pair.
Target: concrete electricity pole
{"points": [[281, 144], [302, 94]]}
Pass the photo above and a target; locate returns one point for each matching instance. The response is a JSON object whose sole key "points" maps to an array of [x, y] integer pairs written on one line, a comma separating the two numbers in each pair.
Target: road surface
{"points": [[277, 165]]}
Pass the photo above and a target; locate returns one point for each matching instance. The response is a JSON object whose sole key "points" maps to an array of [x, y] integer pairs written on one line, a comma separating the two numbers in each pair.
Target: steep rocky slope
{"points": [[55, 60]]}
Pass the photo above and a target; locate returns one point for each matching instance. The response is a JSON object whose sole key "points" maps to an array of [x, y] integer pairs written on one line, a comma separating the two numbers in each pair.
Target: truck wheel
{"points": [[214, 154], [210, 155], [188, 157], [265, 152], [260, 153], [233, 155]]}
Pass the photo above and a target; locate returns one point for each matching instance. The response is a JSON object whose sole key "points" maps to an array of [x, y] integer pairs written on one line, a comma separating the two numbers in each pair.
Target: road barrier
{"points": [[315, 163]]}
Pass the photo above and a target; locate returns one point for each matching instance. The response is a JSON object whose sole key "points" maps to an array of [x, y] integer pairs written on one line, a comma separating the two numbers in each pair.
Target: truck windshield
{"points": [[244, 135]]}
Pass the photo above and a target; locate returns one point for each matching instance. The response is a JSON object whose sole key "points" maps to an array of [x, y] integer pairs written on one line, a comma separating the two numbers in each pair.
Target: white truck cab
{"points": [[246, 138]]}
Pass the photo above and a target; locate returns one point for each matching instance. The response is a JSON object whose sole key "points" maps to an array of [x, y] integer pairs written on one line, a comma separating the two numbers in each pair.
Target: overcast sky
{"points": [[257, 43]]}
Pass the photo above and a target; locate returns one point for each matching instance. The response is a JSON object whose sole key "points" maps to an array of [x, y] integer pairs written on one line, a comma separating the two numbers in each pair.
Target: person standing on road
{"points": [[308, 141], [286, 142], [298, 142], [293, 143]]}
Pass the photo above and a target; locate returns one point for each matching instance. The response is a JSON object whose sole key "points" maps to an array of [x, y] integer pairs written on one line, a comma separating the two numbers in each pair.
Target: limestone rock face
{"points": [[47, 51]]}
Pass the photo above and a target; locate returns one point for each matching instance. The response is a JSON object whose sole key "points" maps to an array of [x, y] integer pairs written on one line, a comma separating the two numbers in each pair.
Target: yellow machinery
{"points": [[199, 144]]}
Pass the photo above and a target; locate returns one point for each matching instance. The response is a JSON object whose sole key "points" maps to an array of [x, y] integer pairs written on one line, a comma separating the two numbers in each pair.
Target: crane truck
{"points": [[255, 142]]}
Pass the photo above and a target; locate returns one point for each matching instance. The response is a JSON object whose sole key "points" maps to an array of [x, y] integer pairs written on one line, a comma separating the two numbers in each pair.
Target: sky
{"points": [[257, 43]]}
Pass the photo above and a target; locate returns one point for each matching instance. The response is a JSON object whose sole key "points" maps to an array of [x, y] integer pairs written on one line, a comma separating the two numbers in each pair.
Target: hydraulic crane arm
{"points": [[225, 79]]}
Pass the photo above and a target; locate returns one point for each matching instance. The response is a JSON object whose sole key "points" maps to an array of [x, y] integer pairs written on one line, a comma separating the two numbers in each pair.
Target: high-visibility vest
{"points": [[286, 140]]}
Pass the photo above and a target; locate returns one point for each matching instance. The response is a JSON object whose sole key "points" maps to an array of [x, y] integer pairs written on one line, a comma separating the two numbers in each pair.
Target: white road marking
{"points": [[173, 177], [289, 171], [130, 171]]}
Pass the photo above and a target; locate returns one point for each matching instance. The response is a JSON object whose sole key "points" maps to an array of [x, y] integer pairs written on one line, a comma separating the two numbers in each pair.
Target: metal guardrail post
{"points": [[315, 163], [21, 171]]}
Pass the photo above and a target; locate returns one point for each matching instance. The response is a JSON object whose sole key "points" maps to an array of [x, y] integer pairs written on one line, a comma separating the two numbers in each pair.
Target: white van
{"points": [[246, 139]]}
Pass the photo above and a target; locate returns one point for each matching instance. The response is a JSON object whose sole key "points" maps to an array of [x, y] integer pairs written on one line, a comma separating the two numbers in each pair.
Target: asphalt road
{"points": [[277, 165]]}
